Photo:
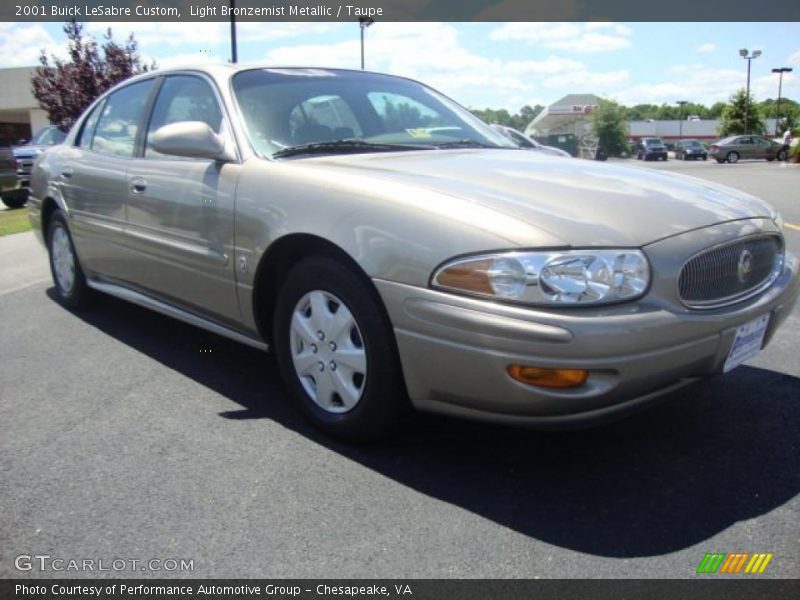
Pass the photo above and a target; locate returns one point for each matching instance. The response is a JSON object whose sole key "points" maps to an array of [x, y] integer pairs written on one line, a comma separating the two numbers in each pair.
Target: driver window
{"points": [[183, 98]]}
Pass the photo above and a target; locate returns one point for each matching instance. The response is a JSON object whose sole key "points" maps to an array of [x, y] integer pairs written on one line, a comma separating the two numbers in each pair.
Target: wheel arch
{"points": [[279, 259], [49, 206]]}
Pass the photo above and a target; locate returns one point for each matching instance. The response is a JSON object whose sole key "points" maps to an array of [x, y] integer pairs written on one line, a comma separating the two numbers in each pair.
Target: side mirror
{"points": [[193, 139]]}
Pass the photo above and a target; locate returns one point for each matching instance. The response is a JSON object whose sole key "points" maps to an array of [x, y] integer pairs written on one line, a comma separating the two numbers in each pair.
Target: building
{"points": [[20, 115], [572, 115]]}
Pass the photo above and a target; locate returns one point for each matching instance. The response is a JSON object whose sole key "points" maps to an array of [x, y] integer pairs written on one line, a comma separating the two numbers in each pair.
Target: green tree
{"points": [[66, 87], [610, 125], [733, 116], [519, 121], [715, 112]]}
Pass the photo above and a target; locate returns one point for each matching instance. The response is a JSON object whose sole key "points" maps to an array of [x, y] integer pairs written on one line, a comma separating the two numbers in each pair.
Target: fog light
{"points": [[552, 378]]}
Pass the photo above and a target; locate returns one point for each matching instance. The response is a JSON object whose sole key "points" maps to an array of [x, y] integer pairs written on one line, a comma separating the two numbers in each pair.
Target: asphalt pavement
{"points": [[124, 434]]}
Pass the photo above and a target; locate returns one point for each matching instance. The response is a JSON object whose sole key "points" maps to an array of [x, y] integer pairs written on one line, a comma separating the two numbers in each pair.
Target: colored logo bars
{"points": [[720, 562]]}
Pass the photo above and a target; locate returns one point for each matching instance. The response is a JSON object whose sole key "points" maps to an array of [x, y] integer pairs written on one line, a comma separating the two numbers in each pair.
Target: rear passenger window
{"points": [[184, 98], [119, 120], [87, 132]]}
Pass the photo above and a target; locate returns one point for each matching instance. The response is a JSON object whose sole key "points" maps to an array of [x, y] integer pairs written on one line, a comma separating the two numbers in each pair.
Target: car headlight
{"points": [[549, 277]]}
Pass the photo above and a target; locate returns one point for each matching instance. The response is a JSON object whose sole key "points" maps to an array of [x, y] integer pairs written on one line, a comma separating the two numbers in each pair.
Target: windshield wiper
{"points": [[349, 145], [465, 143]]}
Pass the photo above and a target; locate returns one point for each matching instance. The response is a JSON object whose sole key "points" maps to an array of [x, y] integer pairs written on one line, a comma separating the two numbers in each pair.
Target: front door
{"points": [[180, 210]]}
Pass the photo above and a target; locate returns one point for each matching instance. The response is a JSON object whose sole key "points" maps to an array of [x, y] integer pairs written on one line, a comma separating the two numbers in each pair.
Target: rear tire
{"points": [[721, 160], [781, 155], [732, 157], [336, 351], [68, 277]]}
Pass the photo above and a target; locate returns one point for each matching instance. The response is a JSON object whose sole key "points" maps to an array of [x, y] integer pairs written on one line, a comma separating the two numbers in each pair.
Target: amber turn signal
{"points": [[551, 378]]}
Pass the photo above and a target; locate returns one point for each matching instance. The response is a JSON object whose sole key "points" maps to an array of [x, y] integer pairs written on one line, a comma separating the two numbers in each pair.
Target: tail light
{"points": [[713, 148]]}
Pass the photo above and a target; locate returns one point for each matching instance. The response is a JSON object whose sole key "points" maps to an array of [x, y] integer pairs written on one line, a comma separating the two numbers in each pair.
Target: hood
{"points": [[30, 150], [581, 202]]}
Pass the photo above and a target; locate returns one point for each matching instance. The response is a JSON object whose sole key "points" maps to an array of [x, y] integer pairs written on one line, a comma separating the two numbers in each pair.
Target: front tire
{"points": [[337, 353], [65, 267], [781, 155]]}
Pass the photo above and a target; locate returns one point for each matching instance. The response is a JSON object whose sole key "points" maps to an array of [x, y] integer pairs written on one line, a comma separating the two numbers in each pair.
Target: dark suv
{"points": [[651, 148], [27, 153]]}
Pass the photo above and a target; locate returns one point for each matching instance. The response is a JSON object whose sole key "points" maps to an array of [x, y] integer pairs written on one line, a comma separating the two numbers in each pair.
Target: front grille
{"points": [[730, 272]]}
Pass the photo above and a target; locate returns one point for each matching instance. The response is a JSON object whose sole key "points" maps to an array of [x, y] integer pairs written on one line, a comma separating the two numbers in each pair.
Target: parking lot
{"points": [[124, 434]]}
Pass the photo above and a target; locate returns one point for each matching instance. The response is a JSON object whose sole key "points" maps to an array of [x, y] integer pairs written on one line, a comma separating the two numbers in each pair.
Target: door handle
{"points": [[67, 172], [138, 185]]}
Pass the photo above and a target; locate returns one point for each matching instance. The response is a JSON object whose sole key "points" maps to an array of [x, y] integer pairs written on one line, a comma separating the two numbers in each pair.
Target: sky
{"points": [[495, 65]]}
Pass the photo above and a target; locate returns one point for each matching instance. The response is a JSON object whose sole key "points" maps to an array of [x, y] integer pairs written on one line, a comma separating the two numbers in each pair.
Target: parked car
{"points": [[528, 143], [27, 153], [690, 150], [394, 251], [736, 147], [651, 148]]}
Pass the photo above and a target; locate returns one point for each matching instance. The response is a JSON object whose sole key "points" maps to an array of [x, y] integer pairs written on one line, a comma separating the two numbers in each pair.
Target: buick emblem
{"points": [[745, 265]]}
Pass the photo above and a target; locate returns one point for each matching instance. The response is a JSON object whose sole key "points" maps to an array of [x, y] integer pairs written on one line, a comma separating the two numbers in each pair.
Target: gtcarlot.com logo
{"points": [[735, 563], [45, 562]]}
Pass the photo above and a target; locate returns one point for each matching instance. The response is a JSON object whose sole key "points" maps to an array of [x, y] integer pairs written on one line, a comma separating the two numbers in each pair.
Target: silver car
{"points": [[396, 252]]}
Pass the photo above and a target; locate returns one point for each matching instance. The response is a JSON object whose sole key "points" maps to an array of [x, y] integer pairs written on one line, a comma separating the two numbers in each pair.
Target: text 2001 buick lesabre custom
{"points": [[395, 251]]}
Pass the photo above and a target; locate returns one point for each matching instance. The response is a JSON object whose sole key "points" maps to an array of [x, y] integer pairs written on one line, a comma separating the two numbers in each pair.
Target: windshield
{"points": [[692, 144], [48, 136], [290, 108], [653, 142]]}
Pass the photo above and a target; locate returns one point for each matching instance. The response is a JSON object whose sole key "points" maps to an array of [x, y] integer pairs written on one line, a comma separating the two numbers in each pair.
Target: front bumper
{"points": [[455, 351]]}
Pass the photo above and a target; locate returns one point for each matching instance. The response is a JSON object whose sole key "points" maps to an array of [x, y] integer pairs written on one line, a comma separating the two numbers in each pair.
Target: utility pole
{"points": [[780, 71], [234, 53]]}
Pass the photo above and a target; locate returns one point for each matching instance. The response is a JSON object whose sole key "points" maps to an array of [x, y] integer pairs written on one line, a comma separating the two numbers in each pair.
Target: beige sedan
{"points": [[395, 252]]}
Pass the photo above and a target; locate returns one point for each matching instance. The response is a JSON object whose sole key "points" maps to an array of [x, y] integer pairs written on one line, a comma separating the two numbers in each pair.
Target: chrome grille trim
{"points": [[710, 278]]}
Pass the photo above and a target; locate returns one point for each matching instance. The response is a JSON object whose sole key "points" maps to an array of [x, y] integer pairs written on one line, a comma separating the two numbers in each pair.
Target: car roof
{"points": [[223, 71]]}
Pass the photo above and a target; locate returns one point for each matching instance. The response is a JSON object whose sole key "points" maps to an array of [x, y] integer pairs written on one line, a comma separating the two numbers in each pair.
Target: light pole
{"points": [[780, 71], [234, 53], [681, 103], [749, 58], [363, 23]]}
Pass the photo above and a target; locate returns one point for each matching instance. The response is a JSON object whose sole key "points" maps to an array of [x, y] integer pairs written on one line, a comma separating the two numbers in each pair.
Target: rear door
{"points": [[93, 179], [180, 210], [746, 147]]}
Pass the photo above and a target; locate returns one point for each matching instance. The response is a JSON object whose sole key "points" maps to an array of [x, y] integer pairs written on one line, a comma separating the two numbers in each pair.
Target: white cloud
{"points": [[794, 59], [706, 48], [587, 38], [153, 35], [20, 44], [705, 85], [591, 81]]}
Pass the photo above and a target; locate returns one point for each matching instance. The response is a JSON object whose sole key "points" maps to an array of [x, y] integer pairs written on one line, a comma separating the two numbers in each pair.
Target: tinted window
{"points": [[87, 131], [184, 98], [119, 121]]}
